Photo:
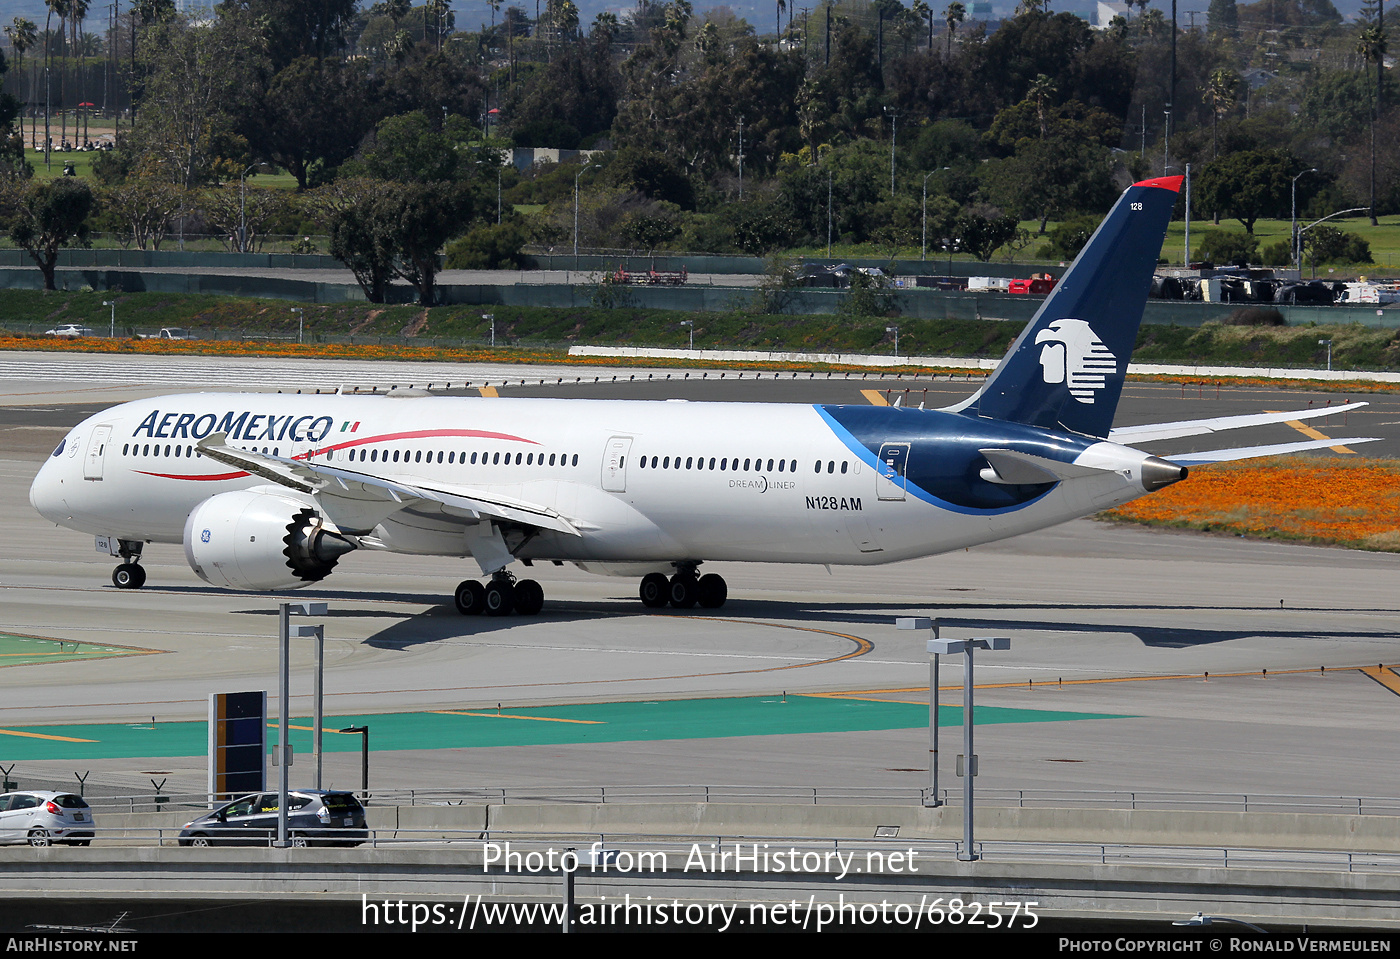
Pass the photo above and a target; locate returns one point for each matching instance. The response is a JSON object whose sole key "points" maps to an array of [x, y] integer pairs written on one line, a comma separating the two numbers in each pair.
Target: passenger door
{"points": [[615, 464], [891, 470], [97, 450]]}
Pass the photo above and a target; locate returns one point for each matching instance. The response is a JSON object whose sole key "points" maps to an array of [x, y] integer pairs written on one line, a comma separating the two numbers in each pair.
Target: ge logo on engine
{"points": [[204, 536]]}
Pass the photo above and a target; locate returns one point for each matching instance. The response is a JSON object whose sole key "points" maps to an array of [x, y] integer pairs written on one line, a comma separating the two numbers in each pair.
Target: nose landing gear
{"points": [[130, 574]]}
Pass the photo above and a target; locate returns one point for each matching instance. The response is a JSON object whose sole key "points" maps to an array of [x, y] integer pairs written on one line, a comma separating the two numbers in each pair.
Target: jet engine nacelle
{"points": [[255, 539]]}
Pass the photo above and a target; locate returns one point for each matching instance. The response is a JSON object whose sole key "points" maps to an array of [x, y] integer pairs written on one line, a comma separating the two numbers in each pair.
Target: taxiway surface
{"points": [[1120, 622]]}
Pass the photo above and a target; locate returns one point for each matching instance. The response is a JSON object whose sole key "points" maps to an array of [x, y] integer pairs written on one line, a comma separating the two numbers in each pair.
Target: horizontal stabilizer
{"points": [[1134, 435], [1251, 452], [1012, 468]]}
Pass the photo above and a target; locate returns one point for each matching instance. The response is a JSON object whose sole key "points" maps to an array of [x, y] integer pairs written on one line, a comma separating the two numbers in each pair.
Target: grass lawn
{"points": [[1384, 238], [82, 163]]}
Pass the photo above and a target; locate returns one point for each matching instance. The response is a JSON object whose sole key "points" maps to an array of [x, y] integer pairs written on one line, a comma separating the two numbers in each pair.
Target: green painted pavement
{"points": [[529, 726], [27, 650]]}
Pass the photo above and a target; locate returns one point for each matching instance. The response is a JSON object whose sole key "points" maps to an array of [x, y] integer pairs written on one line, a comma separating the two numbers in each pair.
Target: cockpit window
{"points": [[61, 443]]}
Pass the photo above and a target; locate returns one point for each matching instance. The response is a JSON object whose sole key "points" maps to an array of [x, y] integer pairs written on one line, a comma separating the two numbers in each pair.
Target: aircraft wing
{"points": [[357, 501], [1250, 452], [1133, 435]]}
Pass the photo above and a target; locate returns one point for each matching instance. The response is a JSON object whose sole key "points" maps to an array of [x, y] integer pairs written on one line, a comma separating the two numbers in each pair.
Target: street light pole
{"points": [[1293, 218], [243, 209], [300, 316], [924, 622], [691, 325], [580, 173], [969, 763], [112, 334], [283, 756], [923, 247], [894, 118], [828, 213], [318, 633], [364, 759]]}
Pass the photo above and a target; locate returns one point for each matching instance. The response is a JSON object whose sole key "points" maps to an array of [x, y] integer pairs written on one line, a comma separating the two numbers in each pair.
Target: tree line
{"points": [[868, 123]]}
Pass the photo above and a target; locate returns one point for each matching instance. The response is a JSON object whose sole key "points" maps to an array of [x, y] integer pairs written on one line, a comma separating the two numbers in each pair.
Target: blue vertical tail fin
{"points": [[1066, 369]]}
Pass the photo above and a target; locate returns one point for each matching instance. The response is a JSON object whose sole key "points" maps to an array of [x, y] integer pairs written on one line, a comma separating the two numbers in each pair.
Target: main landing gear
{"points": [[130, 574], [684, 590], [500, 596]]}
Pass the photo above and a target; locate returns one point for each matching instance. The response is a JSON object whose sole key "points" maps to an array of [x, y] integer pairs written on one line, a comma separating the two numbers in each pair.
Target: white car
{"points": [[69, 329], [41, 817]]}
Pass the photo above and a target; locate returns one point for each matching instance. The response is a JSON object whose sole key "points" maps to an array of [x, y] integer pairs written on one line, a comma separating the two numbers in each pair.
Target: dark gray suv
{"points": [[315, 817]]}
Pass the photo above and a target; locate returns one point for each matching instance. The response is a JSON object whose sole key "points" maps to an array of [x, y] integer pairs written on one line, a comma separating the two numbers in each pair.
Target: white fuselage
{"points": [[643, 481]]}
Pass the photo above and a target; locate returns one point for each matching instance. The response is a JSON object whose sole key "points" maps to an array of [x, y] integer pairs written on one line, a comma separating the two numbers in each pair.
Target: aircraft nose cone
{"points": [[1157, 473], [45, 494]]}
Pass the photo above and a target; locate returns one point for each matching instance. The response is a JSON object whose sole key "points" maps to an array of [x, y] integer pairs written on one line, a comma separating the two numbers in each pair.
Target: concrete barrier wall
{"points": [[1260, 830], [731, 265]]}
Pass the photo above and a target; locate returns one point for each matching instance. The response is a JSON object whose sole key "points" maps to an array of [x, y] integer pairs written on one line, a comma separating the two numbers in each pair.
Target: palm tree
{"points": [[954, 15], [1371, 45], [1042, 89], [605, 27], [566, 18], [59, 7], [1153, 23], [924, 11], [1222, 93], [23, 34], [77, 13], [782, 5]]}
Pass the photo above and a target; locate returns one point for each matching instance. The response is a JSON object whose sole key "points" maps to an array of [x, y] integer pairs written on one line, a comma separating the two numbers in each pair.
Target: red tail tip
{"points": [[1172, 183]]}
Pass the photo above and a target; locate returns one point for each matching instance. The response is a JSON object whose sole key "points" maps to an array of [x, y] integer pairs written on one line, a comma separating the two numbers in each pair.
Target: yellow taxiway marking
{"points": [[538, 719], [488, 391], [1384, 676], [875, 397], [312, 729], [1381, 674], [1313, 434], [61, 739]]}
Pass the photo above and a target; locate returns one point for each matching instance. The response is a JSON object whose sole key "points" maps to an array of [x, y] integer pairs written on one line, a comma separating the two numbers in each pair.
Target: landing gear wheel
{"points": [[470, 597], [499, 598], [713, 590], [684, 591], [529, 597], [129, 576], [655, 591]]}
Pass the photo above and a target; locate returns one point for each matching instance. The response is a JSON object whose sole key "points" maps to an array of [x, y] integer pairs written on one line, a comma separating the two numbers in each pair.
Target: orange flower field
{"points": [[1343, 501]]}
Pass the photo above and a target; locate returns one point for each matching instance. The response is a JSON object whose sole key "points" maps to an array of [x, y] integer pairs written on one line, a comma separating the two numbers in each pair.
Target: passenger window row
{"points": [[146, 449], [453, 457], [723, 464], [726, 464]]}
